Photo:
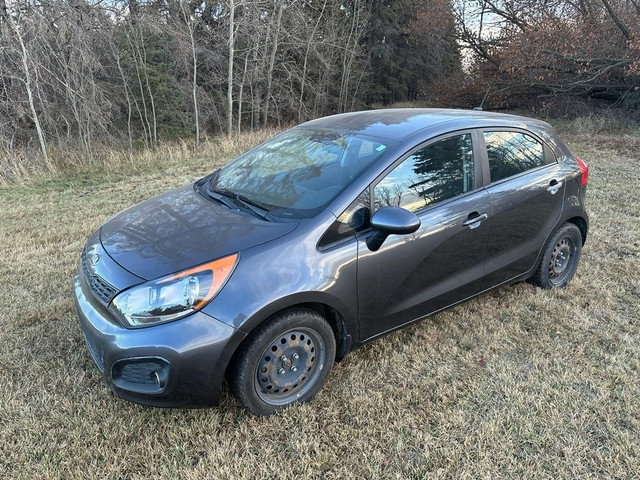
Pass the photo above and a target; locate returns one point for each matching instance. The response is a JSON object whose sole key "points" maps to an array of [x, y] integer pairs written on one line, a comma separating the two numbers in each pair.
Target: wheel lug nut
{"points": [[296, 356], [284, 358], [282, 371], [294, 369]]}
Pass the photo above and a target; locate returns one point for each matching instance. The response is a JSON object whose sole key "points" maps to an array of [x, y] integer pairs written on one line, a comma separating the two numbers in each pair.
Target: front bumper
{"points": [[181, 363]]}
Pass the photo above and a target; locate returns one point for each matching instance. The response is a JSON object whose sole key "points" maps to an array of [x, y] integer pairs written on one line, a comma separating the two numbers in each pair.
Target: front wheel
{"points": [[560, 259], [285, 361]]}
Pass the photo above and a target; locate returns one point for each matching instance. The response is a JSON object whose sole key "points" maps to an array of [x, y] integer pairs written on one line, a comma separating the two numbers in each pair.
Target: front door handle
{"points": [[554, 186], [474, 219]]}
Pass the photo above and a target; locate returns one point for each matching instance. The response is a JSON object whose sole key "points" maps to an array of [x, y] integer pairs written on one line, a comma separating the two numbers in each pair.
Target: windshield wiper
{"points": [[224, 195], [250, 201], [256, 207]]}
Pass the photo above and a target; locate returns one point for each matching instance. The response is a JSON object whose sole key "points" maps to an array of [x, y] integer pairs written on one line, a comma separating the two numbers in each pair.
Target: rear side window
{"points": [[435, 173], [511, 153]]}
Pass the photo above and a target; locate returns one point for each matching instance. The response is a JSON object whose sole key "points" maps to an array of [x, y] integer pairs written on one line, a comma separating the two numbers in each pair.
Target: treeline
{"points": [[133, 73], [84, 72]]}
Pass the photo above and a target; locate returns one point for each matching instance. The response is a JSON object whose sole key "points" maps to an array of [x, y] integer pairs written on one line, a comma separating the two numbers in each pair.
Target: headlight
{"points": [[174, 296]]}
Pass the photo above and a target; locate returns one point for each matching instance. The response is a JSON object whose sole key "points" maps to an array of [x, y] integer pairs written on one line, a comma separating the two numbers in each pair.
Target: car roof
{"points": [[398, 123]]}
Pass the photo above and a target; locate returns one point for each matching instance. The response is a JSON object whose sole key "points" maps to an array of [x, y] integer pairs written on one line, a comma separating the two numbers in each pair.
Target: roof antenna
{"points": [[479, 107]]}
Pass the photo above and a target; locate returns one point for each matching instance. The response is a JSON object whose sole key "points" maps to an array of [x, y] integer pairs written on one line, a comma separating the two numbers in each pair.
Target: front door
{"points": [[441, 263]]}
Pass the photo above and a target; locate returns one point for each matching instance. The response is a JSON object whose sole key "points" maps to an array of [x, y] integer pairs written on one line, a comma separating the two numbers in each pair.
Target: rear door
{"points": [[526, 187], [441, 263]]}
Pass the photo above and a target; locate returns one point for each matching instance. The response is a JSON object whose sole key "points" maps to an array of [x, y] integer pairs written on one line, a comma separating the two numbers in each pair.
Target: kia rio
{"points": [[323, 238]]}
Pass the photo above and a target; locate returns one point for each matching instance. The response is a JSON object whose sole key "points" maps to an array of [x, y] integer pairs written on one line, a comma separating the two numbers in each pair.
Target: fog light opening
{"points": [[160, 377]]}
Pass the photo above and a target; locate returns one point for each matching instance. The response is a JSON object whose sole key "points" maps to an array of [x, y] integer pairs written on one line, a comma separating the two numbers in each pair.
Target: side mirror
{"points": [[390, 221]]}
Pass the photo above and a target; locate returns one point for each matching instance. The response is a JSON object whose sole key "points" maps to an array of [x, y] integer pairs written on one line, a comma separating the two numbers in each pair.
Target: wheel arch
{"points": [[582, 225], [328, 310], [337, 323]]}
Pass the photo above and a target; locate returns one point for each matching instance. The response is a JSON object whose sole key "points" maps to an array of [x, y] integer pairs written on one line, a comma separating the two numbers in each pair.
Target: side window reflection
{"points": [[511, 153], [437, 172]]}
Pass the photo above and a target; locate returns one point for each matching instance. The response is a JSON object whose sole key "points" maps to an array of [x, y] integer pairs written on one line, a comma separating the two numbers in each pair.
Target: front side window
{"points": [[511, 153], [435, 173]]}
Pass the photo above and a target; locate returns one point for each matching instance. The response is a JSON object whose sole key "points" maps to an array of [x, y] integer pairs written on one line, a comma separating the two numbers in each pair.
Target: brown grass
{"points": [[519, 383], [25, 166]]}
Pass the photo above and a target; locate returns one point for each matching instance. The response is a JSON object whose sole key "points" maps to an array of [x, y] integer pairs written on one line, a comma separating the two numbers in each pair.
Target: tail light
{"points": [[584, 171]]}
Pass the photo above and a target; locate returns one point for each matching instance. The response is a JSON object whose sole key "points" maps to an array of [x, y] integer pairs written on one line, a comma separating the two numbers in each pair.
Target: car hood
{"points": [[181, 229]]}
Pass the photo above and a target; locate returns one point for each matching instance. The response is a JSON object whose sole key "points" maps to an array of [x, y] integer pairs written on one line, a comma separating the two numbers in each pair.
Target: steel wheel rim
{"points": [[561, 261], [290, 366]]}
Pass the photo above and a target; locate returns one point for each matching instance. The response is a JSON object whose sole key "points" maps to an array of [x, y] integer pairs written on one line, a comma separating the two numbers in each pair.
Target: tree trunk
{"points": [[272, 61], [256, 98], [147, 138], [151, 99], [28, 87], [126, 94], [623, 28], [232, 13], [3, 15], [347, 60], [194, 85], [244, 76], [306, 58], [195, 95]]}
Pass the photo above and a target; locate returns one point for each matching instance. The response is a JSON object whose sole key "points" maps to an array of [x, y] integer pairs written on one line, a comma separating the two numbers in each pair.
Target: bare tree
{"points": [[232, 14], [533, 49], [310, 43], [272, 59], [189, 21], [129, 74], [241, 91], [28, 84]]}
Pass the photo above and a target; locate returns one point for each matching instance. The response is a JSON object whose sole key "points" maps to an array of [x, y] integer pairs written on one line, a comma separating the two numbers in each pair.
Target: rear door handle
{"points": [[474, 219], [554, 186]]}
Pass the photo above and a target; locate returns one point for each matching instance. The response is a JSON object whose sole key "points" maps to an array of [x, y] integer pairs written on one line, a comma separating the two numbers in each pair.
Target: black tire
{"points": [[560, 259], [284, 361]]}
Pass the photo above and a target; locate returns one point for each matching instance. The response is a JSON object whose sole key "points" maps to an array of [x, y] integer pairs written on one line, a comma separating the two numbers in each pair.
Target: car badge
{"points": [[94, 259]]}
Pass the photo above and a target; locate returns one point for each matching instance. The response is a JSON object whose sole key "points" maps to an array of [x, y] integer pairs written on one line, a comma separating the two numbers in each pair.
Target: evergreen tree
{"points": [[411, 44]]}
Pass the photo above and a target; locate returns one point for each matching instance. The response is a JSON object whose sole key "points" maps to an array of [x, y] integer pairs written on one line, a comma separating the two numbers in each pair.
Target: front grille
{"points": [[96, 353], [99, 288]]}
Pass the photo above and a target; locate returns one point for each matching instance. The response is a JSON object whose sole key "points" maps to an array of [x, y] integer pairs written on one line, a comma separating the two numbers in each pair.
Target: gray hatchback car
{"points": [[325, 237]]}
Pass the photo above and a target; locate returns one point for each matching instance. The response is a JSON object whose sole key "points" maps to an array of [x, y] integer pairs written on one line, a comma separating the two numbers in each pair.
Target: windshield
{"points": [[297, 173]]}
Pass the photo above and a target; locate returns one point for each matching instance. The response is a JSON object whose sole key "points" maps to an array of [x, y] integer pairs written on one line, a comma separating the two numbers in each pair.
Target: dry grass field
{"points": [[520, 383]]}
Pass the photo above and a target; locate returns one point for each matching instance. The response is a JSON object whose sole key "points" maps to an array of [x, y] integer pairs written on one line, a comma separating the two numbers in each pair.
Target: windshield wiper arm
{"points": [[224, 195], [257, 207], [253, 202]]}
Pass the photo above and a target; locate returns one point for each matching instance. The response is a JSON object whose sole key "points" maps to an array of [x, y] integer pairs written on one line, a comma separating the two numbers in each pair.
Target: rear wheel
{"points": [[560, 259], [285, 361]]}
